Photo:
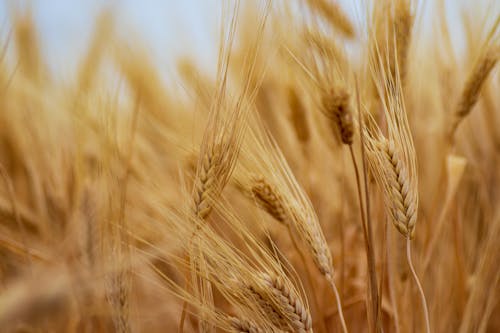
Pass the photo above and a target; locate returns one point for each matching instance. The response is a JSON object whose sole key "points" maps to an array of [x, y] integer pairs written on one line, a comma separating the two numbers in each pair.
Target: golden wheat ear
{"points": [[266, 175], [337, 107], [324, 64], [475, 80], [226, 125], [392, 160]]}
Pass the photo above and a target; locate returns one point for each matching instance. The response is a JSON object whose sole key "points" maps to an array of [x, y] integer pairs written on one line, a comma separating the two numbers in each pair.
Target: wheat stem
{"points": [[390, 275], [339, 303], [368, 234], [419, 286]]}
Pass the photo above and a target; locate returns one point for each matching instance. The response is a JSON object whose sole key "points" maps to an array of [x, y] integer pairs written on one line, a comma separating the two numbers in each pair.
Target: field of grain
{"points": [[338, 173]]}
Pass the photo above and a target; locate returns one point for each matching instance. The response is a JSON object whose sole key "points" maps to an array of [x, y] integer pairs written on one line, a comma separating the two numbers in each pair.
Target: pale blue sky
{"points": [[166, 27]]}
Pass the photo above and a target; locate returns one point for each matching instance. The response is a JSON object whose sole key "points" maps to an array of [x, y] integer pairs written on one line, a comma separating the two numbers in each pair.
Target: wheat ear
{"points": [[402, 195], [473, 85], [298, 116], [269, 199], [337, 107], [240, 325], [276, 295], [309, 230], [206, 183]]}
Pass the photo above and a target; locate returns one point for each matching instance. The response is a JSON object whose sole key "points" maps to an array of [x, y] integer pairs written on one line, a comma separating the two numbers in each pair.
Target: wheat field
{"points": [[336, 173]]}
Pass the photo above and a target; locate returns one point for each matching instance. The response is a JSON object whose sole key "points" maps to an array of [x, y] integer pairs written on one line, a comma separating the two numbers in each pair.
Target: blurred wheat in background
{"points": [[335, 171]]}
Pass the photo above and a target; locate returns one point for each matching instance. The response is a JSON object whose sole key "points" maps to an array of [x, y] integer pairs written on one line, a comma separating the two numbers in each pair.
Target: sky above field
{"points": [[167, 28]]}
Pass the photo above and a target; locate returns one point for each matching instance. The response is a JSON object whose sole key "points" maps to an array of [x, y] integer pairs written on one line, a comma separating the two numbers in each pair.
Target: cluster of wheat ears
{"points": [[336, 173]]}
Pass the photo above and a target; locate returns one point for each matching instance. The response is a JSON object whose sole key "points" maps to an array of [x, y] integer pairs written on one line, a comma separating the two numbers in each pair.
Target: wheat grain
{"points": [[243, 326], [286, 308]]}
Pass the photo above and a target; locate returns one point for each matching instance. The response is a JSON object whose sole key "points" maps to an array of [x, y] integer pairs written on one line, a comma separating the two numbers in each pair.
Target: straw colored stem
{"points": [[339, 303], [419, 286]]}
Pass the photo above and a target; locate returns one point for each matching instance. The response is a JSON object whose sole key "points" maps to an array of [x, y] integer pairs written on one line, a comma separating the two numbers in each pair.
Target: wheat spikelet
{"points": [[302, 219], [473, 85], [392, 158], [282, 304], [243, 326], [301, 318], [337, 107], [268, 197], [403, 198], [318, 246], [269, 309], [206, 186], [279, 193], [325, 65], [393, 176]]}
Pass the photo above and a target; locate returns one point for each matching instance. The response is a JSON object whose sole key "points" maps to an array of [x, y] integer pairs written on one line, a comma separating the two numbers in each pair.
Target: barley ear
{"points": [[473, 85]]}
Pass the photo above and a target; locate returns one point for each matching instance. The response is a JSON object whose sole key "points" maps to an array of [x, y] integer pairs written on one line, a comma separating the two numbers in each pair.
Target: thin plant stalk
{"points": [[339, 304], [368, 232], [419, 286], [390, 275]]}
